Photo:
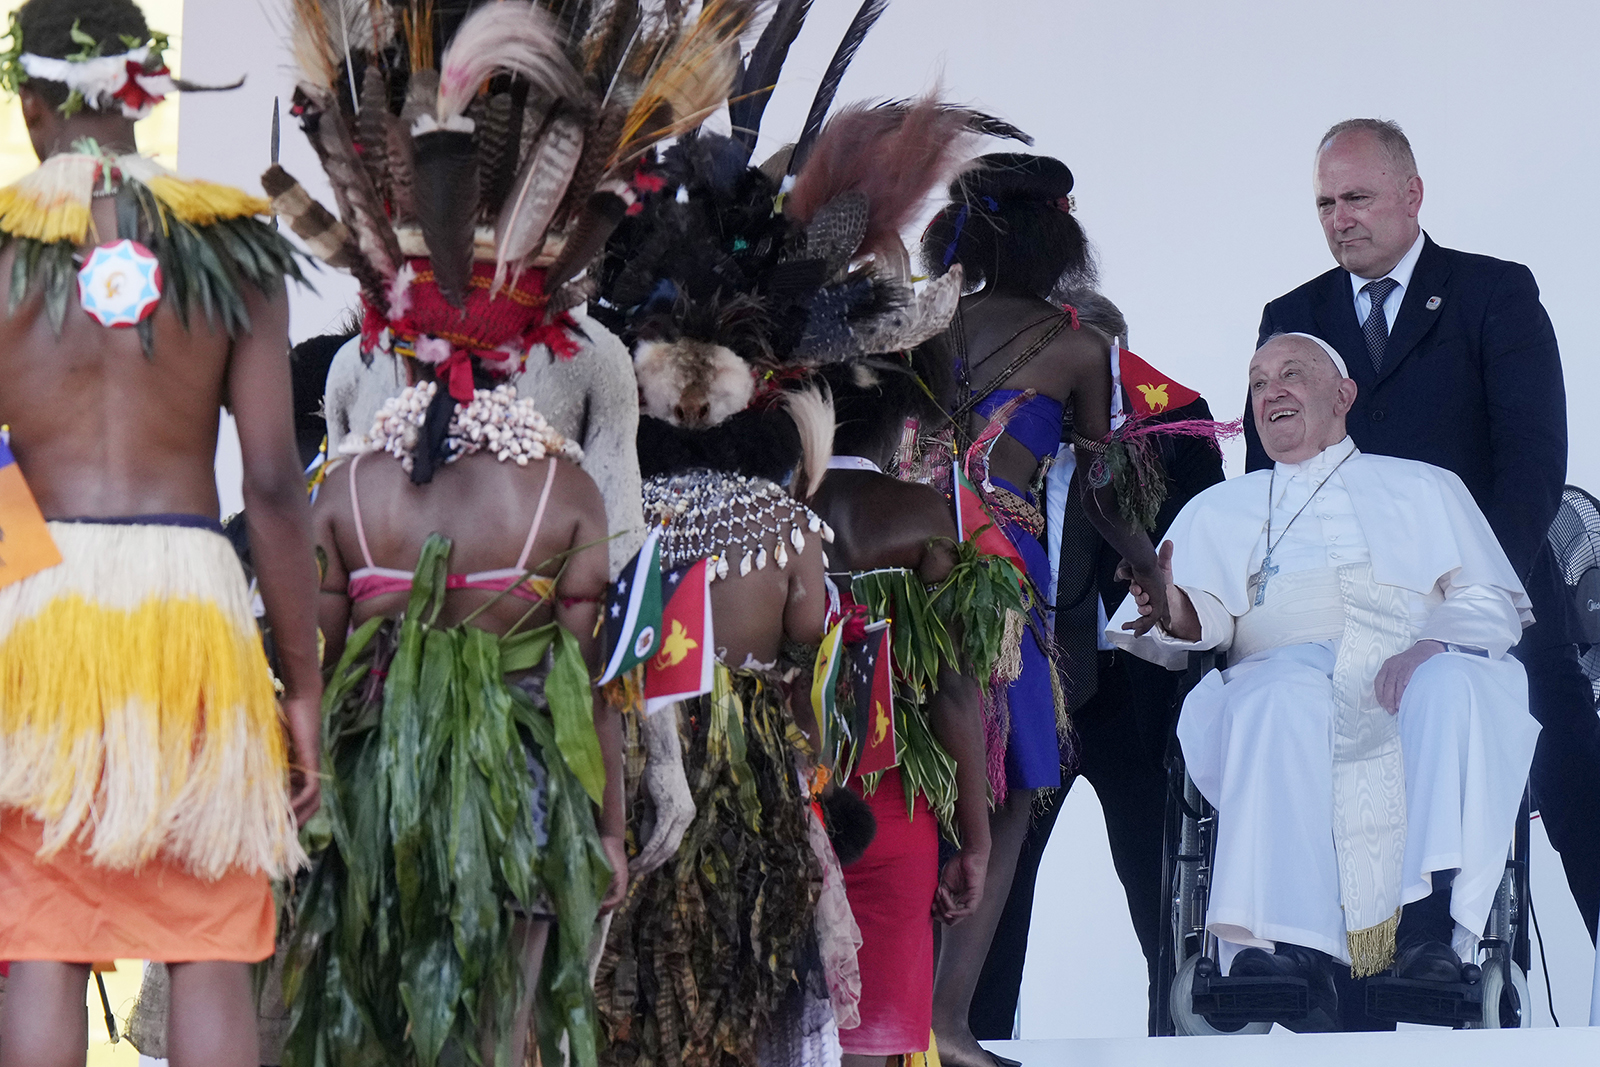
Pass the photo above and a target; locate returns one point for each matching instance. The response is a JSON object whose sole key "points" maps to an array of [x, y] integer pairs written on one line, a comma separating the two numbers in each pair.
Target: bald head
{"points": [[1299, 397], [1368, 196]]}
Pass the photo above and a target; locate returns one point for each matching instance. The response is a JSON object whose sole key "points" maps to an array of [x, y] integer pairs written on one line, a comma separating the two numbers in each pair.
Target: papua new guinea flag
{"points": [[1149, 391], [682, 666], [26, 546], [971, 516], [825, 685], [871, 675], [633, 610]]}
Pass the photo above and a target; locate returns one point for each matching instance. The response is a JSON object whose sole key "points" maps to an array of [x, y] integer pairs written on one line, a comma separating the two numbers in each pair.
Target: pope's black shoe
{"points": [[1293, 961], [1428, 961]]}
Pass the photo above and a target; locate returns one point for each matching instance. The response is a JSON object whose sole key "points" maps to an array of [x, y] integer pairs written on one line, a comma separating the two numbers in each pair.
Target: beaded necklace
{"points": [[713, 513]]}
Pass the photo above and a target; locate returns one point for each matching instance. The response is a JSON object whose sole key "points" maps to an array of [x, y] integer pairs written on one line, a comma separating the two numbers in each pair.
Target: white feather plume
{"points": [[512, 36], [812, 411]]}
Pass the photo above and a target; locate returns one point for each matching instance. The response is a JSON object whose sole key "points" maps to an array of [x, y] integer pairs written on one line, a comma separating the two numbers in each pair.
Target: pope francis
{"points": [[1367, 746]]}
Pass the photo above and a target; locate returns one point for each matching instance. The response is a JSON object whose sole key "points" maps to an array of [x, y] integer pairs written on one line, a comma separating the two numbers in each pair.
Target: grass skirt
{"points": [[703, 951], [401, 950], [137, 715]]}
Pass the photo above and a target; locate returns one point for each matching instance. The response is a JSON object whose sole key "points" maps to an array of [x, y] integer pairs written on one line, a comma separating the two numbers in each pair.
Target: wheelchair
{"points": [[1201, 1000]]}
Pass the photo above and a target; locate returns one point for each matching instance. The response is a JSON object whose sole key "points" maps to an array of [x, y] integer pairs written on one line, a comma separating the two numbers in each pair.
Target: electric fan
{"points": [[1575, 540]]}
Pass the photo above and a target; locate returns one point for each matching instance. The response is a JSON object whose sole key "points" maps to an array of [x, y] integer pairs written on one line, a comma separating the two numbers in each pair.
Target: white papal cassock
{"points": [[1333, 813]]}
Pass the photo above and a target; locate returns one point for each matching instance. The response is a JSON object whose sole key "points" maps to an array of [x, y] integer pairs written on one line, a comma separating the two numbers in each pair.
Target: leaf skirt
{"points": [[703, 951]]}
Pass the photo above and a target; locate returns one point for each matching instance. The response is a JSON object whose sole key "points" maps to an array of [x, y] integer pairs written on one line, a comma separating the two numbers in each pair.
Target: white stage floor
{"points": [[1414, 1048]]}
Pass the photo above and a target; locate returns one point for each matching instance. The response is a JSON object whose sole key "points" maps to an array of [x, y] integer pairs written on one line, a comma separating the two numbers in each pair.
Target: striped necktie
{"points": [[1376, 328]]}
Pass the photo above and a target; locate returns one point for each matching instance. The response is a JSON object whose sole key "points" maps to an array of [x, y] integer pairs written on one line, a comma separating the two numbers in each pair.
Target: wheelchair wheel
{"points": [[1180, 1004], [1507, 1004]]}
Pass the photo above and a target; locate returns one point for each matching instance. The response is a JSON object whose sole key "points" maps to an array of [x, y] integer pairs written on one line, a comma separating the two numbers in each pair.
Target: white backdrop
{"points": [[1190, 127]]}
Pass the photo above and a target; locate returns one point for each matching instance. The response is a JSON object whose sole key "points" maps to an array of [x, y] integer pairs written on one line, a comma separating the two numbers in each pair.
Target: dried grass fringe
{"points": [[137, 714]]}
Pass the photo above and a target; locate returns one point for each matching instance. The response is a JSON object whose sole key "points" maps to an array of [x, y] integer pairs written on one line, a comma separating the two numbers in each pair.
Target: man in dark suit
{"points": [[1457, 366]]}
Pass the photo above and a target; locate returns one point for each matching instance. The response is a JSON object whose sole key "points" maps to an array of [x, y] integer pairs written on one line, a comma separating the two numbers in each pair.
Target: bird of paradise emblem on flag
{"points": [[683, 666], [872, 677]]}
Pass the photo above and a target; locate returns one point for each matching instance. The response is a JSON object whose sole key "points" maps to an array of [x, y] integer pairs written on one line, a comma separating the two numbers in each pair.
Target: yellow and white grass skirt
{"points": [[143, 766]]}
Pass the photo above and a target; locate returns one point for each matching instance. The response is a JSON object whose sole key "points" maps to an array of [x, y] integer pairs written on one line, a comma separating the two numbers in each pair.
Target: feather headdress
{"points": [[819, 274], [463, 135], [894, 157]]}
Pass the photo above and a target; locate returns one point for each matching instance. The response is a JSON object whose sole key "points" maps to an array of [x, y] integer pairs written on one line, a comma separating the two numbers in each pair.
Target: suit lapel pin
{"points": [[1434, 302]]}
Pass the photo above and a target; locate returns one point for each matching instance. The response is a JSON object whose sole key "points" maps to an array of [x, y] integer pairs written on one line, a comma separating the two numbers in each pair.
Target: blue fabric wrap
{"points": [[1033, 754], [1036, 424]]}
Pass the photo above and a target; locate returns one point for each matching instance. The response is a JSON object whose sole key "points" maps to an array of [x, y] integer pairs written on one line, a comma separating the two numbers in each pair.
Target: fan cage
{"points": [[1575, 540]]}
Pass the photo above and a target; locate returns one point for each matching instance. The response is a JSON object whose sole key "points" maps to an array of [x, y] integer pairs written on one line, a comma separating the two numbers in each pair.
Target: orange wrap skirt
{"points": [[68, 909]]}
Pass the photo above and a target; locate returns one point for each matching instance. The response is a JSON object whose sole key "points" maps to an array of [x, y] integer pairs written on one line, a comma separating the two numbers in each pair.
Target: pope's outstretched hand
{"points": [[1184, 624]]}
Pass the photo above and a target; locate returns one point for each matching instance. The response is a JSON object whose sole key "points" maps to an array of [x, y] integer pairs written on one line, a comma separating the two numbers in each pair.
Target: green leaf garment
{"points": [[704, 950], [961, 623], [400, 943]]}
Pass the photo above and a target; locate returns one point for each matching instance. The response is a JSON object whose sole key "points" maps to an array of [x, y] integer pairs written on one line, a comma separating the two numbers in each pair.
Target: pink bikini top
{"points": [[371, 581]]}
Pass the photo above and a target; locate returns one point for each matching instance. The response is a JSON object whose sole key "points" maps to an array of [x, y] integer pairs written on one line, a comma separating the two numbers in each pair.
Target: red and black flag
{"points": [[872, 678], [683, 667]]}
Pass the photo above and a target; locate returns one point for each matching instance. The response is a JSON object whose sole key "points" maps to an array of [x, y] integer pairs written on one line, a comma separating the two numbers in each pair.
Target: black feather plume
{"points": [[829, 86], [753, 88], [446, 178], [979, 122], [994, 126], [493, 135]]}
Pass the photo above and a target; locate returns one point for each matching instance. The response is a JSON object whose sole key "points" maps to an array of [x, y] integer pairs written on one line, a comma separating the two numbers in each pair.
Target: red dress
{"points": [[891, 889]]}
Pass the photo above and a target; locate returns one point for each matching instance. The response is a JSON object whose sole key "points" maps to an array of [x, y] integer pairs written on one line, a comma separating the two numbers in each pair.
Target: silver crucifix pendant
{"points": [[1260, 578]]}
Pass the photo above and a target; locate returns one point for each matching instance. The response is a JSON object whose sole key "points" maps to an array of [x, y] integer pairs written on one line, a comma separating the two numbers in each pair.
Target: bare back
{"points": [[486, 508], [100, 430], [879, 521], [753, 614], [1073, 368]]}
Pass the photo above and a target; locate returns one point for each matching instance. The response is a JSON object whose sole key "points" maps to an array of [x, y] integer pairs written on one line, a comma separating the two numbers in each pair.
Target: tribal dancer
{"points": [[146, 790], [729, 294], [478, 163], [896, 554], [1021, 364]]}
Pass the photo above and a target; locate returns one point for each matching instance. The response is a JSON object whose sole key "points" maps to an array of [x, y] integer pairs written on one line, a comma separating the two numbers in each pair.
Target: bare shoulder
{"points": [[578, 491], [1082, 347], [333, 495], [923, 509]]}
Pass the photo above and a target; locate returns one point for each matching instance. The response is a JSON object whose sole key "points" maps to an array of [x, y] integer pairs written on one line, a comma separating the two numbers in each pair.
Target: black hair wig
{"points": [[309, 362], [1010, 225], [46, 28], [761, 442]]}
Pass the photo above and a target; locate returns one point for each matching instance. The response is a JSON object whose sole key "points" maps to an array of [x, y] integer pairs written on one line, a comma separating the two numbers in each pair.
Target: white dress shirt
{"points": [[1401, 274]]}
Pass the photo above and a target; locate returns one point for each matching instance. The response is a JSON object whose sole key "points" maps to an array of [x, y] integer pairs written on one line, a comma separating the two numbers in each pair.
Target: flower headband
{"points": [[137, 79]]}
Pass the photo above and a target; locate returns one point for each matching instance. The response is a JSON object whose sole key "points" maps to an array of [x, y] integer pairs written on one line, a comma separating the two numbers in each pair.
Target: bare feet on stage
{"points": [[963, 948]]}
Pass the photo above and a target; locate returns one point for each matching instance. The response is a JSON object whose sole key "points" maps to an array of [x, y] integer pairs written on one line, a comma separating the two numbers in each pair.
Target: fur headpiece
{"points": [[731, 291]]}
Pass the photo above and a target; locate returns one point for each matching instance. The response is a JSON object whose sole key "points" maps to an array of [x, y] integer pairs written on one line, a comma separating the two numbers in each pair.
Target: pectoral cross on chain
{"points": [[1260, 578]]}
